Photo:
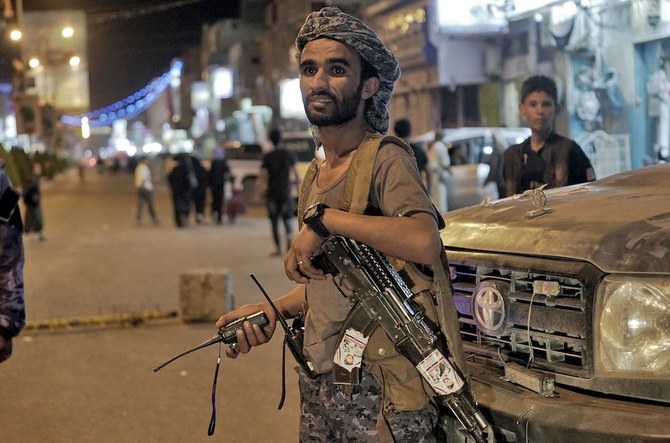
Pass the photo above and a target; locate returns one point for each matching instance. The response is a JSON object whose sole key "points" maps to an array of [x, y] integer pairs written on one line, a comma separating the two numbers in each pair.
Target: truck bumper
{"points": [[524, 416]]}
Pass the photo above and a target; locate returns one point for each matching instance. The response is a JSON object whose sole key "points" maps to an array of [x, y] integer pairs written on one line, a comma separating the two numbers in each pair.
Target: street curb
{"points": [[120, 319]]}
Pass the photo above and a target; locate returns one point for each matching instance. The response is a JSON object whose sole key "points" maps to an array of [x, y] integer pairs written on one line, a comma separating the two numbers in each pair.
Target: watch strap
{"points": [[315, 223]]}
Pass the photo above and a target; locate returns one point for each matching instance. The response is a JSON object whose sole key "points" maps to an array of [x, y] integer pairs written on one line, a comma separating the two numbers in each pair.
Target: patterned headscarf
{"points": [[332, 23]]}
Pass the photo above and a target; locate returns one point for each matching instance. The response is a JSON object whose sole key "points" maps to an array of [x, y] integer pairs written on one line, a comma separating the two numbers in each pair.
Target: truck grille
{"points": [[506, 314]]}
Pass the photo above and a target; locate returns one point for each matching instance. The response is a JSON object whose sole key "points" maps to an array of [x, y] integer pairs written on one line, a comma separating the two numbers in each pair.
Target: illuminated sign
{"points": [[200, 95], [290, 99], [222, 82]]}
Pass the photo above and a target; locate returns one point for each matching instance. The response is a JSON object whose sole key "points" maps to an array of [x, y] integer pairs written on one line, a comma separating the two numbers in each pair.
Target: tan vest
{"points": [[356, 191]]}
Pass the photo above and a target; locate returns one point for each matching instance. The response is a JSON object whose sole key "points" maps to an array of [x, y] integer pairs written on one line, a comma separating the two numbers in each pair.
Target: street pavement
{"points": [[81, 374]]}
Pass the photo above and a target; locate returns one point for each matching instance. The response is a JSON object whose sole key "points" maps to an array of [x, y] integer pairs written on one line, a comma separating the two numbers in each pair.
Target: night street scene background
{"points": [[88, 87]]}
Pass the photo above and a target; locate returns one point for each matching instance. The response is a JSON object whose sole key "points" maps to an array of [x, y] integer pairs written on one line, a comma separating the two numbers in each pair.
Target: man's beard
{"points": [[345, 110]]}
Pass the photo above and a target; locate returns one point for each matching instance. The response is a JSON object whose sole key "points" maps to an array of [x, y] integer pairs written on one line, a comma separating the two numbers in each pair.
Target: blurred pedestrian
{"points": [[459, 154], [32, 198], [277, 174], [237, 204], [12, 303], [219, 172], [81, 169], [439, 168], [181, 188], [544, 158], [100, 164], [403, 129], [145, 190], [496, 172], [200, 185], [116, 165]]}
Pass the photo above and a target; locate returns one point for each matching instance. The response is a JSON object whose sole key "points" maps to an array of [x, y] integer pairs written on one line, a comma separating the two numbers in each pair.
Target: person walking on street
{"points": [[439, 168], [200, 185], [181, 187], [276, 176], [403, 129], [544, 158], [218, 177], [81, 169], [32, 197], [12, 303], [145, 191], [237, 204], [346, 79]]}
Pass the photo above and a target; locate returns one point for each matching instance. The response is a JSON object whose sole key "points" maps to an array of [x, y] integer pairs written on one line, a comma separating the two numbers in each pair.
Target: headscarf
{"points": [[332, 23]]}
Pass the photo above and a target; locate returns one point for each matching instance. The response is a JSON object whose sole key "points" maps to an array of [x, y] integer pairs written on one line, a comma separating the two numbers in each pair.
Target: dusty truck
{"points": [[563, 299]]}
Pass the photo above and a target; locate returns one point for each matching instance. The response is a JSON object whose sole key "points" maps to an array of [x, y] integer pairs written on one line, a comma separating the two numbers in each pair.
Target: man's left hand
{"points": [[298, 261]]}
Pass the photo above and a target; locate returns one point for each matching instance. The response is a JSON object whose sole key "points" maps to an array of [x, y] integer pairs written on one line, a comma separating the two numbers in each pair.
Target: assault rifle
{"points": [[383, 298]]}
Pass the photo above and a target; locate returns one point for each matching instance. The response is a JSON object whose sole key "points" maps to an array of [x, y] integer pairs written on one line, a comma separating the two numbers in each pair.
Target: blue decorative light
{"points": [[127, 108]]}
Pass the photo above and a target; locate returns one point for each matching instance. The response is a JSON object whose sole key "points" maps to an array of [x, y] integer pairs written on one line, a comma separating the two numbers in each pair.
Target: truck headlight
{"points": [[634, 324]]}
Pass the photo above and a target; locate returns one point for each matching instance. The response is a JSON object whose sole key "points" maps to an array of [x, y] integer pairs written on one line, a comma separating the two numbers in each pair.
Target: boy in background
{"points": [[544, 158]]}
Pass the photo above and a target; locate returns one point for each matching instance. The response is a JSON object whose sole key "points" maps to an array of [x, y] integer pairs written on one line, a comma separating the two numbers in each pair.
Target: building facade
{"points": [[463, 64]]}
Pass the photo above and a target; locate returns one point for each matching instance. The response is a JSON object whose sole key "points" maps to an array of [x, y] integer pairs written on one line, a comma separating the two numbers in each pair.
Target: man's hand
{"points": [[250, 335], [298, 260]]}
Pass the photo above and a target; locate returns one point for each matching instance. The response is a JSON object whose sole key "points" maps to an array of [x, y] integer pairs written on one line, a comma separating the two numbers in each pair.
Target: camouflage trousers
{"points": [[330, 414]]}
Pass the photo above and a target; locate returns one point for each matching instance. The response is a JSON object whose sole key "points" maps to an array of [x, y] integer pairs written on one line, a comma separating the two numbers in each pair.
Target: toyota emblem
{"points": [[490, 306]]}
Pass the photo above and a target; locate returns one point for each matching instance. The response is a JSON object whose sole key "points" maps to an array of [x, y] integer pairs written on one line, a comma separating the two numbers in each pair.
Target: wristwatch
{"points": [[312, 218]]}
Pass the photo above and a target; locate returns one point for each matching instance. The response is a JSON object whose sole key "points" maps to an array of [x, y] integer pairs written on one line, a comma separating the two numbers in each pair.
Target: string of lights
{"points": [[126, 108]]}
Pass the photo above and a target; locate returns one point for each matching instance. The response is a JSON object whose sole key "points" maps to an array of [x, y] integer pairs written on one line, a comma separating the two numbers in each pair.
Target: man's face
{"points": [[330, 82], [538, 109]]}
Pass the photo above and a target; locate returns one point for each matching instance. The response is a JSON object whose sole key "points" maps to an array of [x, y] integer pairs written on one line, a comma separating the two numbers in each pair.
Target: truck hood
{"points": [[620, 223]]}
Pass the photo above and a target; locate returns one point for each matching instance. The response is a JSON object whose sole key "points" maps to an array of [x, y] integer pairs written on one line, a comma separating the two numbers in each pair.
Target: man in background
{"points": [[218, 177], [145, 191], [439, 168], [403, 129], [277, 174]]}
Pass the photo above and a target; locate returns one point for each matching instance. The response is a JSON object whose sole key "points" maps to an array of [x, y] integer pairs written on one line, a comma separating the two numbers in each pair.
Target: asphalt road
{"points": [[95, 383]]}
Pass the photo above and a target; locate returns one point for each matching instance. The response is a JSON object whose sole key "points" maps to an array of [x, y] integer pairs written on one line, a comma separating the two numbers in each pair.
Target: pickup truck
{"points": [[472, 151], [244, 161], [563, 298]]}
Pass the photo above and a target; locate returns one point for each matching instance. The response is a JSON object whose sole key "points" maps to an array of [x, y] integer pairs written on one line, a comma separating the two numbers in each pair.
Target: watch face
{"points": [[312, 218], [312, 211]]}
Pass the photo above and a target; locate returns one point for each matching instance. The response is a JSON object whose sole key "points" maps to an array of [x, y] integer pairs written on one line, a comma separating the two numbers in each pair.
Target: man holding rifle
{"points": [[346, 79]]}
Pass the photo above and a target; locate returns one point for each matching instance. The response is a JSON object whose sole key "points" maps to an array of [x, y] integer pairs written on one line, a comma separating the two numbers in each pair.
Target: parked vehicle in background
{"points": [[244, 161], [563, 298], [473, 150], [302, 145]]}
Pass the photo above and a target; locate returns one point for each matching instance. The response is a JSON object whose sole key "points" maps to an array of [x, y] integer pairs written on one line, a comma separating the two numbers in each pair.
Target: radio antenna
{"points": [[280, 319]]}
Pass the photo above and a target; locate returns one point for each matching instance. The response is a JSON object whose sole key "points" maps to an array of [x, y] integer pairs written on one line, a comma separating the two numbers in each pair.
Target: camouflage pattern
{"points": [[332, 23], [12, 308], [328, 413]]}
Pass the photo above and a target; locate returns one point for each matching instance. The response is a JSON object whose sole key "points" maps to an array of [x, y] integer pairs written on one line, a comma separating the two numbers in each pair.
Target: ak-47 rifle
{"points": [[383, 298]]}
